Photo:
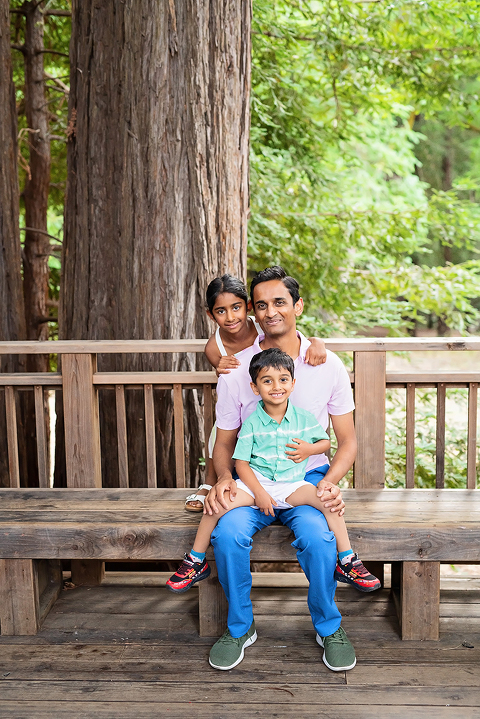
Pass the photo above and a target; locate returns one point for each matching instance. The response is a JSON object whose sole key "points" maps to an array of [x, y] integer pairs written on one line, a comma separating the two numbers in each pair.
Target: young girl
{"points": [[228, 306]]}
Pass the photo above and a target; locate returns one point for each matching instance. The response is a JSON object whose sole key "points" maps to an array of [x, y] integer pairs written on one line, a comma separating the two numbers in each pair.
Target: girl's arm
{"points": [[221, 364], [262, 499], [316, 353], [303, 450]]}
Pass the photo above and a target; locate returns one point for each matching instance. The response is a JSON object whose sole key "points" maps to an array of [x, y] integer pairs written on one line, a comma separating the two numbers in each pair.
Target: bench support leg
{"points": [[416, 591], [28, 590], [88, 571], [212, 605]]}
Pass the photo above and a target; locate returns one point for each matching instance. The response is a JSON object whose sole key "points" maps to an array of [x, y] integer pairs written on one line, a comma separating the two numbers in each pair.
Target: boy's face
{"points": [[273, 385]]}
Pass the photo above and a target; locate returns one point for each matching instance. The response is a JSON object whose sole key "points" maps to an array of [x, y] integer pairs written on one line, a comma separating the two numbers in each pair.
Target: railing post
{"points": [[370, 384], [82, 431]]}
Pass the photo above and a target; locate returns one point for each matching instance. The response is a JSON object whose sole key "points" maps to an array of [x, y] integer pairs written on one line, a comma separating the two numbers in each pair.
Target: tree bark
{"points": [[36, 248], [157, 191], [12, 315]]}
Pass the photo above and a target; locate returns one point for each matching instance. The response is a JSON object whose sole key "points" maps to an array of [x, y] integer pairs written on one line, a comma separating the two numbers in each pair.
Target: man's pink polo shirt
{"points": [[321, 390]]}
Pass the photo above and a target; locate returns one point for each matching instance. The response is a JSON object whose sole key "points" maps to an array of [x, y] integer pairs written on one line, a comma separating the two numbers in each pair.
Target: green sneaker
{"points": [[228, 651], [339, 654]]}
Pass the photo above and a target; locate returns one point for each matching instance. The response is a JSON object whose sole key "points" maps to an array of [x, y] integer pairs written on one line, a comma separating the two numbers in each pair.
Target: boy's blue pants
{"points": [[316, 552]]}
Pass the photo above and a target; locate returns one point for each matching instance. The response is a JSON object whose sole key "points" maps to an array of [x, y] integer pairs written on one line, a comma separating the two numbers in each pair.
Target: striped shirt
{"points": [[262, 441]]}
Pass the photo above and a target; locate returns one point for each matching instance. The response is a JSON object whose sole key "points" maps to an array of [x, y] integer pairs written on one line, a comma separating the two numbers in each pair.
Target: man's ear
{"points": [[254, 388], [298, 307], [249, 306]]}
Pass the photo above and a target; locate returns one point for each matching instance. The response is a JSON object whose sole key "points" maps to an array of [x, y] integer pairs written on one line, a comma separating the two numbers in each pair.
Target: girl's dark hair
{"points": [[277, 273], [225, 283], [272, 357]]}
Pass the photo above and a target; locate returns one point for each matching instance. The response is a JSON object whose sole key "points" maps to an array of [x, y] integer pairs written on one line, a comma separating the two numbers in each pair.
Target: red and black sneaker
{"points": [[357, 574], [187, 574]]}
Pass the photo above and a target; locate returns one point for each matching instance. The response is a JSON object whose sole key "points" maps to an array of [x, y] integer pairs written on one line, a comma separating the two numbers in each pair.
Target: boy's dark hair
{"points": [[225, 283], [276, 273], [270, 358]]}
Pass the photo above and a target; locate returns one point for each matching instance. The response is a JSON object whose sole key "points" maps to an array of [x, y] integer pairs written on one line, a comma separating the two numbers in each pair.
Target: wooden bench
{"points": [[414, 530], [411, 528]]}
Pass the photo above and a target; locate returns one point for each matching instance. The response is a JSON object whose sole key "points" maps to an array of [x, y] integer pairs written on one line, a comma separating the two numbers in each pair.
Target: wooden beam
{"points": [[90, 572], [410, 437], [150, 437], [212, 605], [42, 450], [335, 344], [12, 438], [82, 431], [440, 437], [472, 436], [19, 597], [179, 434], [121, 436], [416, 589], [369, 468]]}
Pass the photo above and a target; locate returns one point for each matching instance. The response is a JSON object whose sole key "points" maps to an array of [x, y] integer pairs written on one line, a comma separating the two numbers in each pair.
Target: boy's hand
{"points": [[265, 503], [226, 364], [316, 353], [301, 450]]}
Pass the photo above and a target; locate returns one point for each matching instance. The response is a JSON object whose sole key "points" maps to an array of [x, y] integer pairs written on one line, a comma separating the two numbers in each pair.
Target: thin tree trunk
{"points": [[157, 190], [36, 249], [12, 313]]}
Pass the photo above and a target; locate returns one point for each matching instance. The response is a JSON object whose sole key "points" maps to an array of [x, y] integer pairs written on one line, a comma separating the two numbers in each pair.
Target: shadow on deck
{"points": [[129, 652]]}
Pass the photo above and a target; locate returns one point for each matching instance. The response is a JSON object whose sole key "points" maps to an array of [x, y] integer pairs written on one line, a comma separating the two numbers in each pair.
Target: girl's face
{"points": [[230, 312]]}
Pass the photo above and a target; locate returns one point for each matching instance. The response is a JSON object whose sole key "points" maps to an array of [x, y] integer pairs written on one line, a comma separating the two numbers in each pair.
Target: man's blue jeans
{"points": [[316, 552]]}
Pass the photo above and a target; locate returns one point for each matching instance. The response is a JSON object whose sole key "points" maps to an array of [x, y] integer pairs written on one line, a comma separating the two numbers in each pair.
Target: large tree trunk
{"points": [[37, 242], [157, 191], [12, 314]]}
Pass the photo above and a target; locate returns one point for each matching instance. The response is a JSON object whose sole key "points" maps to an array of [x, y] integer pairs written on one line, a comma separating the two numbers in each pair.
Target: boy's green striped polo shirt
{"points": [[262, 442]]}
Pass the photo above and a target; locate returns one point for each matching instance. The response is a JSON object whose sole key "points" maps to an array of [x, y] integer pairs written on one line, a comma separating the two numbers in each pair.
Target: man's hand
{"points": [[331, 496], [216, 494], [226, 364], [301, 450], [265, 503]]}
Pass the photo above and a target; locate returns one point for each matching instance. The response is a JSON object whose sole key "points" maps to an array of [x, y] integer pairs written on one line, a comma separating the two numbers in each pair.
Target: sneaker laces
{"points": [[338, 637], [227, 638], [185, 567], [360, 568]]}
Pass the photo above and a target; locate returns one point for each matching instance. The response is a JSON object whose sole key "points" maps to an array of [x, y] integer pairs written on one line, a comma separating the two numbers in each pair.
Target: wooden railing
{"points": [[80, 383]]}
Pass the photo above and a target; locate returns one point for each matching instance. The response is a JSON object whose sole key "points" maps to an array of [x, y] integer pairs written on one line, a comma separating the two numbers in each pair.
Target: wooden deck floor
{"points": [[125, 652]]}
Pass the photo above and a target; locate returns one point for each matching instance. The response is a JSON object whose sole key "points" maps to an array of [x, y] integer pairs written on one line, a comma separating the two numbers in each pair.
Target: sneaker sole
{"points": [[194, 581], [334, 669], [248, 643], [344, 580]]}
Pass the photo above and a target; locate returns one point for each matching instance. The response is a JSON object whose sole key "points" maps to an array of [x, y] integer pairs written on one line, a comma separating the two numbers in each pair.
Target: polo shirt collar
{"points": [[304, 345], [266, 419]]}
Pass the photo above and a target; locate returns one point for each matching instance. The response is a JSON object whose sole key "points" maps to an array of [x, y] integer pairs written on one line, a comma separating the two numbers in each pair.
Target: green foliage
{"points": [[425, 439], [336, 193]]}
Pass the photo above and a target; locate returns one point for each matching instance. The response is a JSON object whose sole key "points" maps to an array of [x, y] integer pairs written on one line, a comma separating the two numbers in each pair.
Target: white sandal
{"points": [[197, 498]]}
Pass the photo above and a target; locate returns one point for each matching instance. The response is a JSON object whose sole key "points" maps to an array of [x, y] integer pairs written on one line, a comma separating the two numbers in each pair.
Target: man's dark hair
{"points": [[270, 358], [276, 273], [225, 283]]}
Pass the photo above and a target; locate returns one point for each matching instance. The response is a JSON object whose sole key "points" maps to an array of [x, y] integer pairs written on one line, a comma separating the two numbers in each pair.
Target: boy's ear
{"points": [[254, 388], [293, 383]]}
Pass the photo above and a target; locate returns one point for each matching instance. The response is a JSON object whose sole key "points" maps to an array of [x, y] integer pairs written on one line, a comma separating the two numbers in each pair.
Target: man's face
{"points": [[274, 308]]}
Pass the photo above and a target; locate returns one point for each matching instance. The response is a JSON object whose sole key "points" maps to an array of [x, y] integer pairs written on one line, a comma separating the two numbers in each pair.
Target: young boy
{"points": [[272, 476]]}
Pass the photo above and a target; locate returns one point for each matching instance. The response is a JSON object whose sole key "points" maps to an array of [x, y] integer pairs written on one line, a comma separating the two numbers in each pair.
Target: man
{"points": [[321, 390]]}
